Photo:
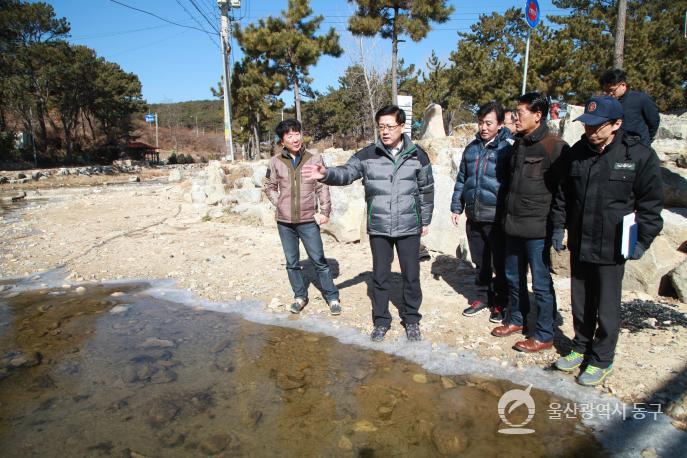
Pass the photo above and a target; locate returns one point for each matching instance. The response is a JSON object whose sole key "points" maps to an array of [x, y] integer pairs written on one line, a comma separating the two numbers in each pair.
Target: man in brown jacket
{"points": [[296, 198]]}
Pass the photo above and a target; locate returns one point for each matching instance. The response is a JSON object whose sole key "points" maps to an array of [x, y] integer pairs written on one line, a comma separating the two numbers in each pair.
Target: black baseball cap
{"points": [[600, 109]]}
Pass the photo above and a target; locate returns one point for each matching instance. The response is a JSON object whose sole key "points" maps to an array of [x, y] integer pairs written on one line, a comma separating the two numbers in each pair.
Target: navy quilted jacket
{"points": [[480, 185]]}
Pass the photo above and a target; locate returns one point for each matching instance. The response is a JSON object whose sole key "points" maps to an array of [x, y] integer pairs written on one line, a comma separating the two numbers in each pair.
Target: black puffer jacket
{"points": [[600, 189], [535, 177], [399, 191]]}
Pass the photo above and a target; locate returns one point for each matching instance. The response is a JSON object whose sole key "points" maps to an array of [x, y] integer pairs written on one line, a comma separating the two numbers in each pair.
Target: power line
{"points": [[199, 24], [213, 26], [158, 17], [112, 34]]}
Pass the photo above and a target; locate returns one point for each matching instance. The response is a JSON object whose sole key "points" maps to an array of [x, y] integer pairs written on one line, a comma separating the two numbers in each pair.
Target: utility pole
{"points": [[226, 86], [618, 53]]}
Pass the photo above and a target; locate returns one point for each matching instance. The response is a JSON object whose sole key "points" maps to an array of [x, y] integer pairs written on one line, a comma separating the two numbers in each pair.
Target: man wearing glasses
{"points": [[640, 111], [609, 175], [399, 191]]}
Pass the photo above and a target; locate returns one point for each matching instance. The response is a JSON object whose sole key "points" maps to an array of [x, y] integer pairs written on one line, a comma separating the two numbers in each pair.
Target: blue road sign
{"points": [[150, 118], [532, 12]]}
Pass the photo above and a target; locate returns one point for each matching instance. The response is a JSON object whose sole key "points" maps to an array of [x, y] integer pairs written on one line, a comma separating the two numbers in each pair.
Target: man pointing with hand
{"points": [[399, 192]]}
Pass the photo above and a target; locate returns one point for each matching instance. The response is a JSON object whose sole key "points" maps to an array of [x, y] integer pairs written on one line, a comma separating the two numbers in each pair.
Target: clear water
{"points": [[94, 374]]}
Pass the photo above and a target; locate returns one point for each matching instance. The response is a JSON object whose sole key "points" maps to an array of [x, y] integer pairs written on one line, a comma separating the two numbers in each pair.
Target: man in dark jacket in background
{"points": [[399, 191], [533, 181], [610, 174], [640, 113], [479, 190]]}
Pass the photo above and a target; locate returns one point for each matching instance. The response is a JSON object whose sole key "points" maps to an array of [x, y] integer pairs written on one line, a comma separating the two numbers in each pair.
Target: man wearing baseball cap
{"points": [[610, 174]]}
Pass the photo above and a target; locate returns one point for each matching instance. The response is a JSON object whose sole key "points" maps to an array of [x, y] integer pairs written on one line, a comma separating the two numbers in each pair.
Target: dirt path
{"points": [[148, 231]]}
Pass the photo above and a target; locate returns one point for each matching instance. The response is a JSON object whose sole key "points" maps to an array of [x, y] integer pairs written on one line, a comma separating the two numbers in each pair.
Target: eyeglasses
{"points": [[612, 89], [388, 127]]}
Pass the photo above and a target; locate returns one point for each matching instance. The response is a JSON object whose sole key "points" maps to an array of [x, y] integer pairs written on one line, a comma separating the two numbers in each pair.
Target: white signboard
{"points": [[405, 103]]}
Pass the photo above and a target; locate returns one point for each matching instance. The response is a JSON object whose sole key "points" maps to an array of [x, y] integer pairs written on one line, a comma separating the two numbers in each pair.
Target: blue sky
{"points": [[178, 64]]}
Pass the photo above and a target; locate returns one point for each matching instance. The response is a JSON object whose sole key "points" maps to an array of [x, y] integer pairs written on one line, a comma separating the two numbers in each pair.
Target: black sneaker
{"points": [[378, 333], [413, 332], [497, 315], [475, 308]]}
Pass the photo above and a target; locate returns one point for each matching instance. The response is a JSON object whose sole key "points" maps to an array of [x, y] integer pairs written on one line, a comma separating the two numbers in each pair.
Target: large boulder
{"points": [[244, 183], [445, 152], [647, 274], [443, 236], [674, 186], [433, 122], [259, 173], [209, 186], [348, 212], [243, 196], [258, 214], [678, 278], [671, 150], [571, 131], [174, 176], [336, 156], [672, 126], [675, 227], [215, 188]]}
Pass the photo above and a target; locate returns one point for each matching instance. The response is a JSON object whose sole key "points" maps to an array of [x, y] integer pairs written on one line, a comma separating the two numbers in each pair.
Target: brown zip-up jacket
{"points": [[295, 196]]}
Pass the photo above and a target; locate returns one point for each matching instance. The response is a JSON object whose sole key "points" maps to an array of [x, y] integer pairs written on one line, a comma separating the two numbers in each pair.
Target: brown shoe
{"points": [[532, 345], [506, 330]]}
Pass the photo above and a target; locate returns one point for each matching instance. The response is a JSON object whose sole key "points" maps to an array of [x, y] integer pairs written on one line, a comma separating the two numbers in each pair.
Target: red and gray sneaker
{"points": [[475, 308], [498, 314]]}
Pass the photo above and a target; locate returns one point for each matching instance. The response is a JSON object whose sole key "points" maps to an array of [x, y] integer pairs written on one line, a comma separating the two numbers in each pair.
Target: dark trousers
{"points": [[309, 234], [382, 256], [596, 293], [520, 253], [487, 249]]}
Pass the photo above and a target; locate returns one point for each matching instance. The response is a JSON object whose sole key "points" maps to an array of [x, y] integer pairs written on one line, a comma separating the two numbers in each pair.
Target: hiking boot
{"points": [[475, 308], [298, 304], [570, 362], [593, 375], [497, 315], [335, 307], [413, 332], [378, 333]]}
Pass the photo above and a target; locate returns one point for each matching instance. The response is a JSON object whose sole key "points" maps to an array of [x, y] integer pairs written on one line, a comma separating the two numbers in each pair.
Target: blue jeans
{"points": [[520, 253], [309, 234]]}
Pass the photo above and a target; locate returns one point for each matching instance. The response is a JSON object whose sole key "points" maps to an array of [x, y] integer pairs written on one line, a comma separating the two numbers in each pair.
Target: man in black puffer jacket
{"points": [[480, 191], [610, 174], [399, 191], [533, 181]]}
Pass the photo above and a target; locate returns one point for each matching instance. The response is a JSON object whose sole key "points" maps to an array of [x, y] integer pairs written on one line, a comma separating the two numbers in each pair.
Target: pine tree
{"points": [[394, 18], [254, 89], [654, 52], [290, 45]]}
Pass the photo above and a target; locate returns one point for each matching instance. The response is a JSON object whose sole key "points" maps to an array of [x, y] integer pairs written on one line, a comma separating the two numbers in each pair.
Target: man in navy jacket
{"points": [[479, 191], [640, 111]]}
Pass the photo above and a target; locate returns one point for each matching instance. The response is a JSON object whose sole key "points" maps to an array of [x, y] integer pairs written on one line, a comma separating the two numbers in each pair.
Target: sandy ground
{"points": [[144, 230]]}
